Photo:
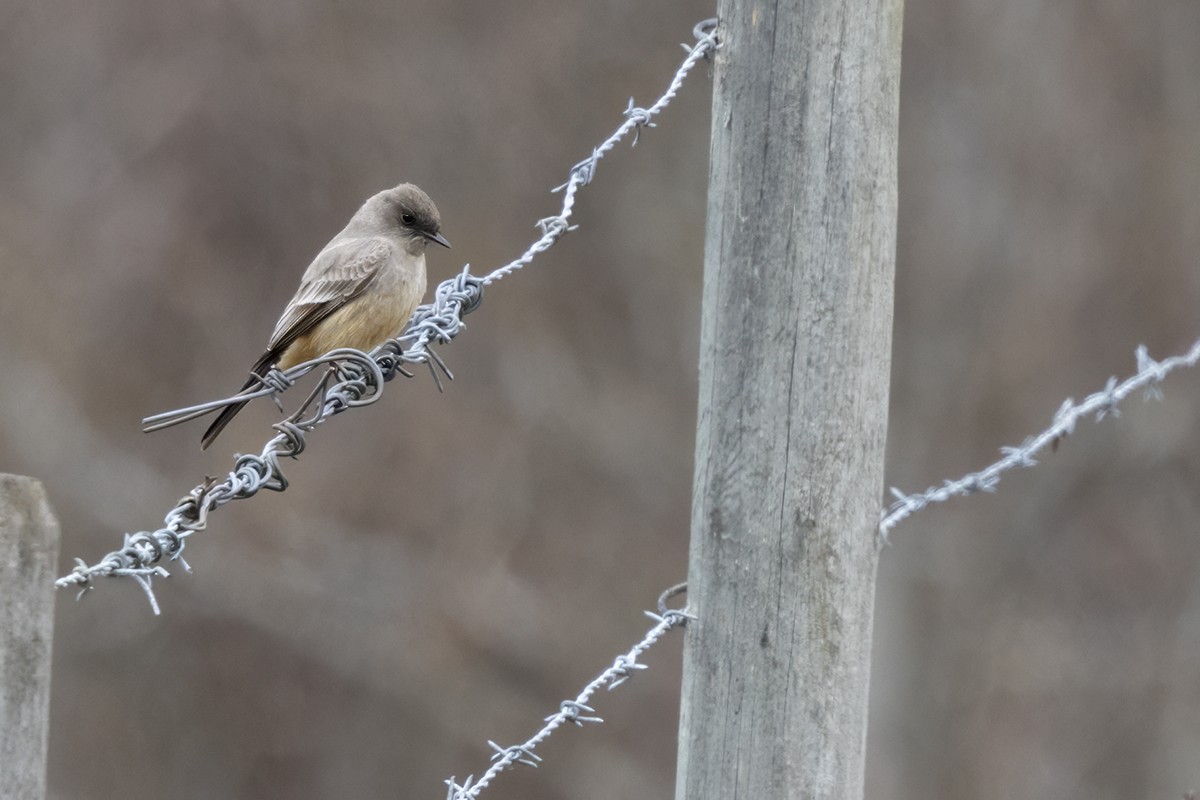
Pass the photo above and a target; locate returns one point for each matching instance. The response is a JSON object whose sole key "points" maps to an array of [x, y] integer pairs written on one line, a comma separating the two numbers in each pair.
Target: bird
{"points": [[358, 292]]}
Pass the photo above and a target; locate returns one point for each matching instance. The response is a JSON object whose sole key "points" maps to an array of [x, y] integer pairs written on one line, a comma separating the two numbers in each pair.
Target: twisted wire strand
{"points": [[352, 378], [1101, 403], [575, 710]]}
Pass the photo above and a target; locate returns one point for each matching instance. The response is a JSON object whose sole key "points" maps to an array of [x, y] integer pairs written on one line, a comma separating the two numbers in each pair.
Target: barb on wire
{"points": [[577, 710], [1102, 403], [359, 376]]}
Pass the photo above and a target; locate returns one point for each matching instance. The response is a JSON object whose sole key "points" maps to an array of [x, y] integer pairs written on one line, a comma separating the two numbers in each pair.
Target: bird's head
{"points": [[409, 211]]}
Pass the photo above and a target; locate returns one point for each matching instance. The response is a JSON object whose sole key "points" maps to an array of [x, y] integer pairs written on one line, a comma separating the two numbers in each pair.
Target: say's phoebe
{"points": [[358, 292]]}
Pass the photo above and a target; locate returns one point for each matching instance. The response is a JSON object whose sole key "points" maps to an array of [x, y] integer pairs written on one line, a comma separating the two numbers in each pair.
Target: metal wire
{"points": [[577, 710], [353, 378], [1102, 403]]}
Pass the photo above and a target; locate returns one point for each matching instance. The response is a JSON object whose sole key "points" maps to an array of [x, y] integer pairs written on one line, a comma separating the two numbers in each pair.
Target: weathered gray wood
{"points": [[28, 558], [794, 367]]}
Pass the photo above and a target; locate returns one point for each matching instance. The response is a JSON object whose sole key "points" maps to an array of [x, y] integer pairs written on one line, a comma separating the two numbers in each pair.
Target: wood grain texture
{"points": [[28, 560], [794, 372]]}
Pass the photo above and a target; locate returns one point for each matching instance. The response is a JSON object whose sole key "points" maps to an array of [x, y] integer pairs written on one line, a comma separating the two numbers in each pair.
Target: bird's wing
{"points": [[338, 274]]}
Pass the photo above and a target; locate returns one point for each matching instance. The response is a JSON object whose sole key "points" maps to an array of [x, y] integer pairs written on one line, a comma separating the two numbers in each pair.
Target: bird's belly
{"points": [[364, 323]]}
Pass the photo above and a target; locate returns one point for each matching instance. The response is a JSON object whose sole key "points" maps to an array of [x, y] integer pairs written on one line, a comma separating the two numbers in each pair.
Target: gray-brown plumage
{"points": [[358, 292]]}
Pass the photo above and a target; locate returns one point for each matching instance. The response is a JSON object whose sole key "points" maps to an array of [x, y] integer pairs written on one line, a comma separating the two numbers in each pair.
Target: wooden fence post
{"points": [[794, 372], [28, 559]]}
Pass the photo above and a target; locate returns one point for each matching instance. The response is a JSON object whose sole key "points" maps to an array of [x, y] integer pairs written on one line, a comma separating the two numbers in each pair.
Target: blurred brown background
{"points": [[446, 568]]}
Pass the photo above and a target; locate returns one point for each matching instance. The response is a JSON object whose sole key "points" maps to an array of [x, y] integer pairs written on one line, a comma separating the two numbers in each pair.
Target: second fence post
{"points": [[28, 561], [794, 371]]}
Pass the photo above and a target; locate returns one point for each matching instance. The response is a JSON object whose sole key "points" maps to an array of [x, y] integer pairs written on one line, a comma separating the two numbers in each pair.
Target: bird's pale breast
{"points": [[367, 321]]}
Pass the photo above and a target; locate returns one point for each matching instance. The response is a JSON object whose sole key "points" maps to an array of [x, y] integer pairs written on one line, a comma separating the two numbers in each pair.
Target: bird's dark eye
{"points": [[407, 219]]}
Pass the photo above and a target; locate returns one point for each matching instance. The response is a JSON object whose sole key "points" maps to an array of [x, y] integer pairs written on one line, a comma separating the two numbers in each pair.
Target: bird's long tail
{"points": [[259, 371]]}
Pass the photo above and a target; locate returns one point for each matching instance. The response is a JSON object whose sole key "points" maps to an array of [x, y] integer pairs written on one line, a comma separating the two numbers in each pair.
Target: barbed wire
{"points": [[1102, 403], [353, 378], [577, 710]]}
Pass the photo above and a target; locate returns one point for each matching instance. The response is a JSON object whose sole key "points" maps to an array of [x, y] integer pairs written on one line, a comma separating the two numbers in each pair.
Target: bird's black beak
{"points": [[437, 237]]}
